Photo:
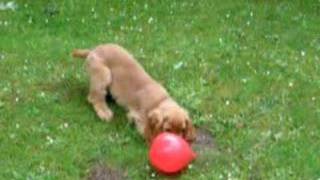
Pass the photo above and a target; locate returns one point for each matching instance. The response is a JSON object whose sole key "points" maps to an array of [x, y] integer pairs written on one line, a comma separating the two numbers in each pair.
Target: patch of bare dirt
{"points": [[102, 172], [204, 140]]}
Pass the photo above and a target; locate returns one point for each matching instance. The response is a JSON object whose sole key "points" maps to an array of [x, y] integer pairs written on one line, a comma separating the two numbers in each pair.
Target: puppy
{"points": [[112, 69]]}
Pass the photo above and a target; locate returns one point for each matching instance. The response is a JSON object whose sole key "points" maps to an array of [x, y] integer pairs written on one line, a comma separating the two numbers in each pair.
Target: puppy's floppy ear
{"points": [[153, 124], [190, 133]]}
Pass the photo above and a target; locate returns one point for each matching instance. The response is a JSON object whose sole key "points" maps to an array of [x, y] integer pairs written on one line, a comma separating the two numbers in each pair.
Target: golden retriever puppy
{"points": [[112, 69]]}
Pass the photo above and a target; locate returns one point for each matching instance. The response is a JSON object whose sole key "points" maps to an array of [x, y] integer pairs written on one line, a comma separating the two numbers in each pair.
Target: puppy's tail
{"points": [[80, 53]]}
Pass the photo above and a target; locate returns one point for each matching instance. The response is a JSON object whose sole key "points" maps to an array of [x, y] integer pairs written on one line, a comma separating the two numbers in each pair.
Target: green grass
{"points": [[247, 70]]}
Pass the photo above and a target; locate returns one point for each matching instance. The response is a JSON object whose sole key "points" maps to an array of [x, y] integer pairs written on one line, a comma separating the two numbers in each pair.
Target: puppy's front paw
{"points": [[133, 116], [105, 115]]}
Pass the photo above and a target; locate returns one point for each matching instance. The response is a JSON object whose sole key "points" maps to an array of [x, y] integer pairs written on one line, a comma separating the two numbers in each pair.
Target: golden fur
{"points": [[112, 69]]}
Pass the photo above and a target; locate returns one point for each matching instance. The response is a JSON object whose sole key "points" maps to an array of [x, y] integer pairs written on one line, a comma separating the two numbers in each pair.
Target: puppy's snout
{"points": [[179, 133]]}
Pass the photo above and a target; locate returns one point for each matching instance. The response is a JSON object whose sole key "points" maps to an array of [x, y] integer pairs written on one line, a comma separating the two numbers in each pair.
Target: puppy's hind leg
{"points": [[100, 79]]}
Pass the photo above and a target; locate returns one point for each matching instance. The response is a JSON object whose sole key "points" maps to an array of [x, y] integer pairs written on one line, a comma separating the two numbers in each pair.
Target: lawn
{"points": [[247, 71]]}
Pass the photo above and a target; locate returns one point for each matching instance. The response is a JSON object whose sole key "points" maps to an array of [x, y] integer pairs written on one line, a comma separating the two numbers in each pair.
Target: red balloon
{"points": [[169, 153]]}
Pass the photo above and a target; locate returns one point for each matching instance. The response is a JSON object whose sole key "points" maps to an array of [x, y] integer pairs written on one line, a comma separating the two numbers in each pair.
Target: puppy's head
{"points": [[173, 119]]}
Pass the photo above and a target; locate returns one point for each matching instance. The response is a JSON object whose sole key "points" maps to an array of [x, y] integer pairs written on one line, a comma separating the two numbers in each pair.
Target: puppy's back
{"points": [[115, 55]]}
